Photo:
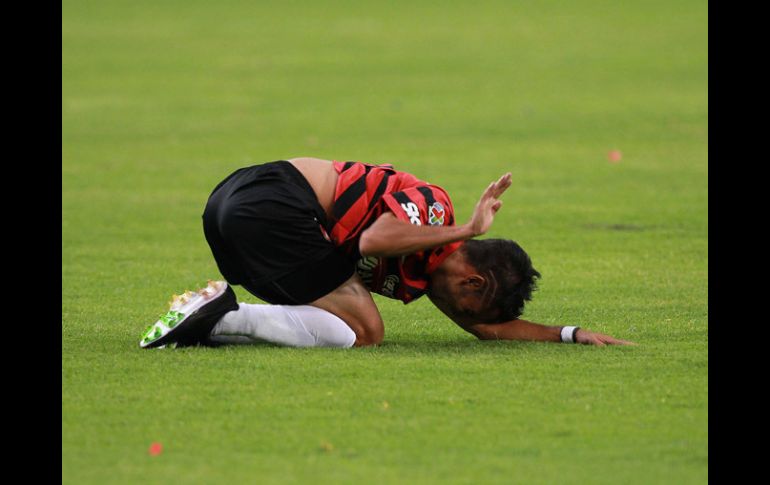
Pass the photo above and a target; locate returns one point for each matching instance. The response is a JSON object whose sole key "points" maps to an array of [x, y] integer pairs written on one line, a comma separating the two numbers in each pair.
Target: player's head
{"points": [[488, 281]]}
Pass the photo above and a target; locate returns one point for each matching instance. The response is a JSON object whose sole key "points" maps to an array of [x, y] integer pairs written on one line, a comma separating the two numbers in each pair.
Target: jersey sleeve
{"points": [[425, 205], [421, 205]]}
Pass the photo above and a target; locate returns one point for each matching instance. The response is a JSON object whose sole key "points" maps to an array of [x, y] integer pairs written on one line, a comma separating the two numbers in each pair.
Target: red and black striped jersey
{"points": [[363, 193]]}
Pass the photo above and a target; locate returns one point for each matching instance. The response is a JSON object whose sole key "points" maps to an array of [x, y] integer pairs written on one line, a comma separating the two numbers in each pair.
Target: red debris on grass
{"points": [[614, 156], [155, 449]]}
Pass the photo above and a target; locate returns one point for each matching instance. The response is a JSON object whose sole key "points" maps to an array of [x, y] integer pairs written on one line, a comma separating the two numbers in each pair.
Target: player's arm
{"points": [[389, 236], [524, 330]]}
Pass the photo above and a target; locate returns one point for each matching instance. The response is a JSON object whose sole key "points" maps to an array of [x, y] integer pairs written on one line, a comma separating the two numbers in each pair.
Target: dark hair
{"points": [[510, 270]]}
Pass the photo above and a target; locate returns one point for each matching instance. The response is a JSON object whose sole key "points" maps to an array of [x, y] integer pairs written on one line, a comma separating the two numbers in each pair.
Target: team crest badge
{"points": [[436, 214]]}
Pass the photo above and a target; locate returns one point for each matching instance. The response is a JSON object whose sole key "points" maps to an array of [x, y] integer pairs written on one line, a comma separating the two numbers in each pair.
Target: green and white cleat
{"points": [[191, 317]]}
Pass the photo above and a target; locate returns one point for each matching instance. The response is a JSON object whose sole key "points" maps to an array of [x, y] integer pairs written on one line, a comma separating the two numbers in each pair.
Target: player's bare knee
{"points": [[369, 332], [367, 339], [353, 303]]}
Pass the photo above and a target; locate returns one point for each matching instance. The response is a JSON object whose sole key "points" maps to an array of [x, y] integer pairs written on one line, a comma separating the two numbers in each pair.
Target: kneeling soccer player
{"points": [[314, 237]]}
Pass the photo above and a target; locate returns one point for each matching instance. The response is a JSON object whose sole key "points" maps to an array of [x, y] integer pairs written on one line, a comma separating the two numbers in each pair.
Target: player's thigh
{"points": [[353, 303]]}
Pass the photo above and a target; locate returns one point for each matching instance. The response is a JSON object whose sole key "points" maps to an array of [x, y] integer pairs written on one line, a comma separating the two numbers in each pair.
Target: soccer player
{"points": [[314, 237]]}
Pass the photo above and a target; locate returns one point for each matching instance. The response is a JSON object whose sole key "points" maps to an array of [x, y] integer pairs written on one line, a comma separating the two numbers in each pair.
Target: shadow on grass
{"points": [[407, 347]]}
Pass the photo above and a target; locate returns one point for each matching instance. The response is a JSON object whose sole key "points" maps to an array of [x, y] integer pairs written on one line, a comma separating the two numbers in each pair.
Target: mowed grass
{"points": [[161, 100]]}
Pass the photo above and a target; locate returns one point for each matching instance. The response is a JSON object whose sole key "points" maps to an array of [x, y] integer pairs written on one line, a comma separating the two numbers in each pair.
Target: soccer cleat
{"points": [[191, 317]]}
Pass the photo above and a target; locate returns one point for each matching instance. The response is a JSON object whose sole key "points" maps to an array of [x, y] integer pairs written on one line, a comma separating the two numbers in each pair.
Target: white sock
{"points": [[290, 325]]}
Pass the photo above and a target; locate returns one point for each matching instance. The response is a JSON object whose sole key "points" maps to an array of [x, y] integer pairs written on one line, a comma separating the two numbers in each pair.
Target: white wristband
{"points": [[568, 334]]}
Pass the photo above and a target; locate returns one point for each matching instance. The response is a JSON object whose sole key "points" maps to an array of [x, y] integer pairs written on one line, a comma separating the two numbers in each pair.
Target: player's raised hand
{"points": [[488, 205]]}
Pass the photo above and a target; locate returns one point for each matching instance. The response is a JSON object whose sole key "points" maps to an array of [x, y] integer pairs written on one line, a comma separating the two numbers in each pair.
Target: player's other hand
{"points": [[488, 205], [587, 337]]}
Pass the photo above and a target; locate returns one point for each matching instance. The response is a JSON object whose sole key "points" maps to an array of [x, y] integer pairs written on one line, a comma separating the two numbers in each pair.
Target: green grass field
{"points": [[161, 100]]}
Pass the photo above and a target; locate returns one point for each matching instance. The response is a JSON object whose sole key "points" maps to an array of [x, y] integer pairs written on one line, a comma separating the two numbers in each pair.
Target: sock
{"points": [[290, 325]]}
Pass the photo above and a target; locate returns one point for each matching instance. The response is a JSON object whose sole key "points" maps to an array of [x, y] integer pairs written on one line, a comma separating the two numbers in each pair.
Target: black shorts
{"points": [[264, 226]]}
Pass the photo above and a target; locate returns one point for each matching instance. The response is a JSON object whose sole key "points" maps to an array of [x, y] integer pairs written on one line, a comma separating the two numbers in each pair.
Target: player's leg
{"points": [[276, 234], [289, 325], [342, 318], [353, 303], [263, 227], [211, 316]]}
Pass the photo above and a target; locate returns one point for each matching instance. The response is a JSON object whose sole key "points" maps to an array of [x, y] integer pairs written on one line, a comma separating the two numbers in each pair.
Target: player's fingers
{"points": [[488, 191], [597, 341], [502, 184], [500, 191], [496, 206], [617, 341]]}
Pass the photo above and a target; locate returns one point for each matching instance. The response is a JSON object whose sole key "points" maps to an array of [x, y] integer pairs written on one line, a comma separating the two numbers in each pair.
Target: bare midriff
{"points": [[322, 177]]}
